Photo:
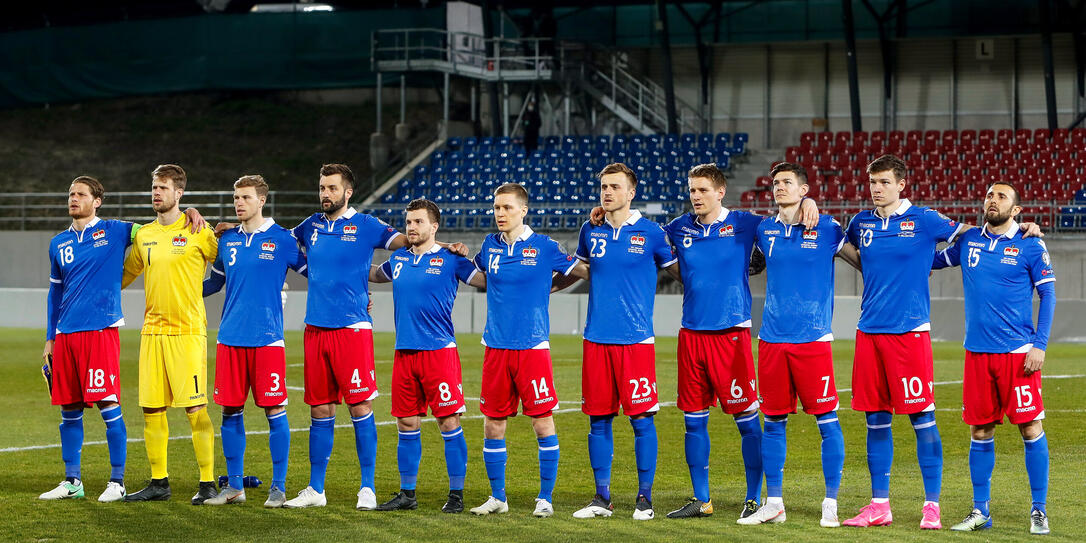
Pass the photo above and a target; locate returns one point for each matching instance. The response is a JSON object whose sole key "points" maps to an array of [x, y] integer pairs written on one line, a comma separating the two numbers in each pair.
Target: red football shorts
{"points": [[790, 370], [893, 372], [421, 378], [237, 369], [338, 365], [614, 375], [510, 375], [716, 365], [997, 384], [86, 367]]}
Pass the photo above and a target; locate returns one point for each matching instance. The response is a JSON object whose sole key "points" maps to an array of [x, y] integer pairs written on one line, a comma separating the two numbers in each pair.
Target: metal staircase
{"points": [[635, 99]]}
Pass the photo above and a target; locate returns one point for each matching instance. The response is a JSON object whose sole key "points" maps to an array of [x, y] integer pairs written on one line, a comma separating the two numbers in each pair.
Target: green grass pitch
{"points": [[30, 464]]}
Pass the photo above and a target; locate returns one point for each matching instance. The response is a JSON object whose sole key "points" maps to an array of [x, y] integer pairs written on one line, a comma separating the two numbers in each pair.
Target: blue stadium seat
{"points": [[618, 142], [552, 142], [603, 140], [453, 143], [486, 144], [1080, 196], [742, 136], [471, 144], [723, 140], [705, 140]]}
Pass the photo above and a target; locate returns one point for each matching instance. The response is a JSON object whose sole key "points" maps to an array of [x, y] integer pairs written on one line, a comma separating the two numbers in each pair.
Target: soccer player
{"points": [[426, 366], [339, 245], [519, 266], [82, 344], [173, 342], [1004, 353], [619, 355], [250, 353], [795, 355], [714, 246]]}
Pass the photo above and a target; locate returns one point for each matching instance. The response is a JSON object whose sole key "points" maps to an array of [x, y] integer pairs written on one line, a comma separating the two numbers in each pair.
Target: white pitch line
{"points": [[476, 417]]}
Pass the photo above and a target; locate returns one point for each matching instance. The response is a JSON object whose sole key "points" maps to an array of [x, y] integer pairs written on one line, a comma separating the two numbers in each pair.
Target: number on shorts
{"points": [[275, 381], [541, 388], [1023, 393], [446, 394], [910, 389], [355, 379], [641, 388], [196, 384], [97, 378], [736, 390], [825, 385]]}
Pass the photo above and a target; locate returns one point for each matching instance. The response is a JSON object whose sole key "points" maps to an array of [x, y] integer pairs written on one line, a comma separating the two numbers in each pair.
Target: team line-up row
{"points": [[708, 250]]}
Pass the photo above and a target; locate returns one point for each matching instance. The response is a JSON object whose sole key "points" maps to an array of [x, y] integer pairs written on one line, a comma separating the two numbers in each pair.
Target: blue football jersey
{"points": [[423, 292], [340, 253], [799, 279], [86, 268], [999, 274], [253, 265], [518, 288], [714, 261], [896, 255], [622, 292]]}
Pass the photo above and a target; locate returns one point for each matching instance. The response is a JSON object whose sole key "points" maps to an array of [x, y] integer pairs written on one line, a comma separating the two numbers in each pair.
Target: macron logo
{"points": [[530, 252], [267, 246], [437, 261], [98, 234], [637, 239], [180, 241], [907, 226], [1010, 251], [810, 234], [350, 229]]}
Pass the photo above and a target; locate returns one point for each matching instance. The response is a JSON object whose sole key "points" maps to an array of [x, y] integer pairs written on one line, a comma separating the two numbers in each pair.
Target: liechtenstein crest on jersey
{"points": [[437, 261], [267, 246], [1010, 251], [530, 252], [637, 239], [98, 234], [907, 226], [180, 241], [810, 235], [350, 229], [726, 230]]}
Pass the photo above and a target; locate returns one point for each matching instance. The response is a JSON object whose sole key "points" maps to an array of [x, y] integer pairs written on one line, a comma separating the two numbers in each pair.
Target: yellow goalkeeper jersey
{"points": [[173, 261]]}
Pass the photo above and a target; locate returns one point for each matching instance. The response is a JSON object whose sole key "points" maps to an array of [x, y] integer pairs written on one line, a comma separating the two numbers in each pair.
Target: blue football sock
{"points": [[929, 453], [71, 441], [981, 465], [697, 452], [774, 452], [645, 452], [322, 433], [233, 447], [1037, 469], [750, 431], [494, 457], [456, 457], [880, 452], [548, 465], [408, 455], [601, 452], [833, 451], [117, 441], [365, 444], [279, 445]]}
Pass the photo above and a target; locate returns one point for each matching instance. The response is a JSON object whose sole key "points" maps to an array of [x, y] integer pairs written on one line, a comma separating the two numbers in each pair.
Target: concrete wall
{"points": [[25, 308]]}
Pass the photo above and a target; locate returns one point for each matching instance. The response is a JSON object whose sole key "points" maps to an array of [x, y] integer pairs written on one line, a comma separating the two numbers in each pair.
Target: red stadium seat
{"points": [[765, 196], [1041, 134], [1022, 135], [968, 135], [1004, 134], [807, 137], [763, 182], [749, 197]]}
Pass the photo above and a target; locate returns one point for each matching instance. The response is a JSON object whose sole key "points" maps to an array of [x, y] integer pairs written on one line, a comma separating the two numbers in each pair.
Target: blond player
{"points": [[173, 344]]}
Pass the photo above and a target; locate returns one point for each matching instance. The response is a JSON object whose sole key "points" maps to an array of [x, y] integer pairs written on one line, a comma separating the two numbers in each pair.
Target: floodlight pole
{"points": [[669, 78], [1046, 58]]}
